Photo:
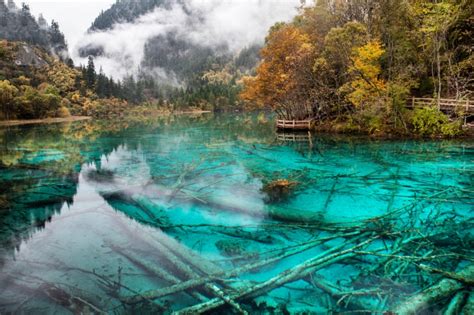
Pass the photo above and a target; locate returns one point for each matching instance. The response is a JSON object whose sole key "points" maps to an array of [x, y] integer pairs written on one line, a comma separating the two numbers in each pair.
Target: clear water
{"points": [[90, 211]]}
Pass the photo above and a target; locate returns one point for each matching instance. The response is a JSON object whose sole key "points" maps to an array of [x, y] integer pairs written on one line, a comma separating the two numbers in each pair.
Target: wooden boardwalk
{"points": [[294, 124], [464, 108], [446, 105]]}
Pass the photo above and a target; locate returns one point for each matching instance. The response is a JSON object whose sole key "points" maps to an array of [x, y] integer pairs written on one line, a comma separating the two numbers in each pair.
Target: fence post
{"points": [[467, 112], [413, 102]]}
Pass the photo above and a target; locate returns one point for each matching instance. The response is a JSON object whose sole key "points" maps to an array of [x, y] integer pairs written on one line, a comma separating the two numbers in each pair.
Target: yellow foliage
{"points": [[366, 88], [62, 76], [76, 98], [218, 76], [10, 158], [7, 92], [22, 80], [63, 112]]}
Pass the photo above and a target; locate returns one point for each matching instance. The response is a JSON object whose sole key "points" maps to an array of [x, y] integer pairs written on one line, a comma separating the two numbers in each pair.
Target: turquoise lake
{"points": [[103, 216]]}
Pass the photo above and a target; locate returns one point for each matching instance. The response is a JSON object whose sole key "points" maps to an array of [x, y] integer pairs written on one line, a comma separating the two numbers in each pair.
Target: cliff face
{"points": [[17, 24], [26, 56]]}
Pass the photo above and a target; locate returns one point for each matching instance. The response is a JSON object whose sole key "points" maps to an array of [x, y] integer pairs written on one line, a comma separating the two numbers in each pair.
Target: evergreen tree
{"points": [[101, 86], [90, 74], [11, 5], [25, 15], [42, 21], [58, 42], [70, 63]]}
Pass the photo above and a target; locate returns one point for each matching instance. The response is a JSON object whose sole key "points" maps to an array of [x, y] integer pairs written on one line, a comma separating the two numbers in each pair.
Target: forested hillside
{"points": [[124, 11], [352, 65], [17, 24], [35, 84], [182, 71]]}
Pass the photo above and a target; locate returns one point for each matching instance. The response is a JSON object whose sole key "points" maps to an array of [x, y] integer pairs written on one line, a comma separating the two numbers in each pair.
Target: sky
{"points": [[74, 16]]}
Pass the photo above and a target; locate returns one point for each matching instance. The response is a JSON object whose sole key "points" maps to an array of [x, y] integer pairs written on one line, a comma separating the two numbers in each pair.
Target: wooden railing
{"points": [[294, 124], [444, 104]]}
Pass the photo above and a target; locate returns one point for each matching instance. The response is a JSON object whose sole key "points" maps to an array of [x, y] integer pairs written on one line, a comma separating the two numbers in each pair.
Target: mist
{"points": [[229, 25]]}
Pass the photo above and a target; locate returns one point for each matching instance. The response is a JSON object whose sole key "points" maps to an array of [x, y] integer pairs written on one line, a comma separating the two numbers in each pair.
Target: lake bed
{"points": [[103, 216]]}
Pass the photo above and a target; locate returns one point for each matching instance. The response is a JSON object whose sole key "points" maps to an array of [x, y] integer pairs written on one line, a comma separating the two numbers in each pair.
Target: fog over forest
{"points": [[225, 26]]}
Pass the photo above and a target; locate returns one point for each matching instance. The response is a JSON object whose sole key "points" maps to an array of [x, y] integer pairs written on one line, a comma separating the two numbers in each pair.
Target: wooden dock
{"points": [[294, 124], [445, 104]]}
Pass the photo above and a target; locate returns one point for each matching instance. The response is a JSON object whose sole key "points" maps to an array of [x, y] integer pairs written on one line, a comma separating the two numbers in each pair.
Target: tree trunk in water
{"points": [[445, 289]]}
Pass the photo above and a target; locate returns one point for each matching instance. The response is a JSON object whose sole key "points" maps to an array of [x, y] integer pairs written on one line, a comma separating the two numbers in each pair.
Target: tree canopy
{"points": [[359, 61]]}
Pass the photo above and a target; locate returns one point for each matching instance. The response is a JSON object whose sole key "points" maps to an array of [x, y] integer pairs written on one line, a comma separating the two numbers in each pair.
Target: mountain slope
{"points": [[17, 24], [177, 41], [124, 11]]}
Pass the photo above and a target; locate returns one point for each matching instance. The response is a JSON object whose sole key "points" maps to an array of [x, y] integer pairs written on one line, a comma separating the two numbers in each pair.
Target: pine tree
{"points": [[11, 5], [42, 21], [58, 42], [70, 63], [101, 86], [90, 73]]}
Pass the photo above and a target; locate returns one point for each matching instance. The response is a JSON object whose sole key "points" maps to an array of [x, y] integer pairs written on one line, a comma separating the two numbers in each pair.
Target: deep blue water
{"points": [[93, 213]]}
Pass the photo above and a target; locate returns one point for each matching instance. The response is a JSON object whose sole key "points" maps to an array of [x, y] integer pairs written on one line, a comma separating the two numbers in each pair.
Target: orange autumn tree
{"points": [[283, 73]]}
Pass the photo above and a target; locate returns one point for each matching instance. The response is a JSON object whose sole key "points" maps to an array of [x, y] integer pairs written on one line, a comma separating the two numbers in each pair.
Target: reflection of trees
{"points": [[39, 171], [40, 165]]}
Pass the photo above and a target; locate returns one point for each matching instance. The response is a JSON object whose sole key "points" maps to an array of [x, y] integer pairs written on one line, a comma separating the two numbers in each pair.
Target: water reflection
{"points": [[94, 214]]}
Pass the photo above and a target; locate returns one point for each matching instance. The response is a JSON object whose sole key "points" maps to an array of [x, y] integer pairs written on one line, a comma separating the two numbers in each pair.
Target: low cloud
{"points": [[234, 24]]}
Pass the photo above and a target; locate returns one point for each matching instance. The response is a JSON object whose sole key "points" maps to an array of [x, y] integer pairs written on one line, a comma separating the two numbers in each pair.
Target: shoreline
{"points": [[7, 123], [192, 112]]}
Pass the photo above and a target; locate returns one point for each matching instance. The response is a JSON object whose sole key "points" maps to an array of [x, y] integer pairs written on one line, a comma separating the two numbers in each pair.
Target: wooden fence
{"points": [[446, 105], [294, 124]]}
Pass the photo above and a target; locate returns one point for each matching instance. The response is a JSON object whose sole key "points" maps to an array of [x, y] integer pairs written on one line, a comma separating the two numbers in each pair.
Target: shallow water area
{"points": [[104, 216]]}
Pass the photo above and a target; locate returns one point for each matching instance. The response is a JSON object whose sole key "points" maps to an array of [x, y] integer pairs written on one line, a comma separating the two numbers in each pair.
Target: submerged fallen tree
{"points": [[410, 259], [410, 249], [156, 214], [406, 246], [444, 289]]}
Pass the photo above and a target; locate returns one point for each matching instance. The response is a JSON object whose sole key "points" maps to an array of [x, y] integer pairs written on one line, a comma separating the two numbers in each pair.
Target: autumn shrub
{"points": [[5, 50], [23, 108], [112, 107], [63, 112], [430, 122], [8, 93]]}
